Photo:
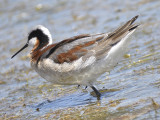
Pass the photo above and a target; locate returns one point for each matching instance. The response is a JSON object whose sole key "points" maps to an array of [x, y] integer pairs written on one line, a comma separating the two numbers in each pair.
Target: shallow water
{"points": [[130, 91]]}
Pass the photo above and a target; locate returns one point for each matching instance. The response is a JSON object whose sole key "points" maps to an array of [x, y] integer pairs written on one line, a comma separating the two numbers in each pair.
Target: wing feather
{"points": [[86, 45]]}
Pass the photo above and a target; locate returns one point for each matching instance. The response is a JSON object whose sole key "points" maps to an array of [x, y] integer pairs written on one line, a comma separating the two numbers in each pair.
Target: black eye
{"points": [[32, 34], [43, 38]]}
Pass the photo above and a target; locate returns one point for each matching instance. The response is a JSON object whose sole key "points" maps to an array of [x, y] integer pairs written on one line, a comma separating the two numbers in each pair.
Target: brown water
{"points": [[130, 91]]}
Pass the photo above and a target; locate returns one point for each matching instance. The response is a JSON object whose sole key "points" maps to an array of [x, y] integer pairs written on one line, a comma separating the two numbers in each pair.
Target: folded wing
{"points": [[84, 46]]}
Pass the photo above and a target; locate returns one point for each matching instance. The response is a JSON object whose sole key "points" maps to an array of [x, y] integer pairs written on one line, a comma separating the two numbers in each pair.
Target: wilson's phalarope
{"points": [[78, 60]]}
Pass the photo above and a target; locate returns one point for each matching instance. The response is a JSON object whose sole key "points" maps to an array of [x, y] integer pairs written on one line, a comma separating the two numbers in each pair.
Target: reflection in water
{"points": [[66, 101], [74, 100]]}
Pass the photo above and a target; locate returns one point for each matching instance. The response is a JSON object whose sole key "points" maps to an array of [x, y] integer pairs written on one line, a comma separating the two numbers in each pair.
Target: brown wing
{"points": [[73, 48], [77, 51]]}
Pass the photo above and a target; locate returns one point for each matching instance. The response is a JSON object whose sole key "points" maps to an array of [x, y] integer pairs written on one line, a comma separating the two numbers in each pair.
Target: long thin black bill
{"points": [[26, 45]]}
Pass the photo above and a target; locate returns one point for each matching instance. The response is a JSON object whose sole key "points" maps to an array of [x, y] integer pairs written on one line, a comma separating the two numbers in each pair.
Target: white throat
{"points": [[32, 42]]}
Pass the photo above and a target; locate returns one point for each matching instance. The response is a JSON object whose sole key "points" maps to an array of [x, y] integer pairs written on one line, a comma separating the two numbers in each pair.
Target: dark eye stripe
{"points": [[43, 38]]}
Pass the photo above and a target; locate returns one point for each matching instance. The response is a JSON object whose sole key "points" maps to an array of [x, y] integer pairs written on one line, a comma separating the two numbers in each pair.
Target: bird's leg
{"points": [[98, 94]]}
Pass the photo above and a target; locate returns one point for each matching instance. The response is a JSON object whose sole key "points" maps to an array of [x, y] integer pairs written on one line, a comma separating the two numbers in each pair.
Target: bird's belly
{"points": [[86, 76], [81, 77]]}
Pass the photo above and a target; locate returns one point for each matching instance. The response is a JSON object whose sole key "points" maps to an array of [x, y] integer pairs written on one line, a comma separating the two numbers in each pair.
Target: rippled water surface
{"points": [[130, 91]]}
